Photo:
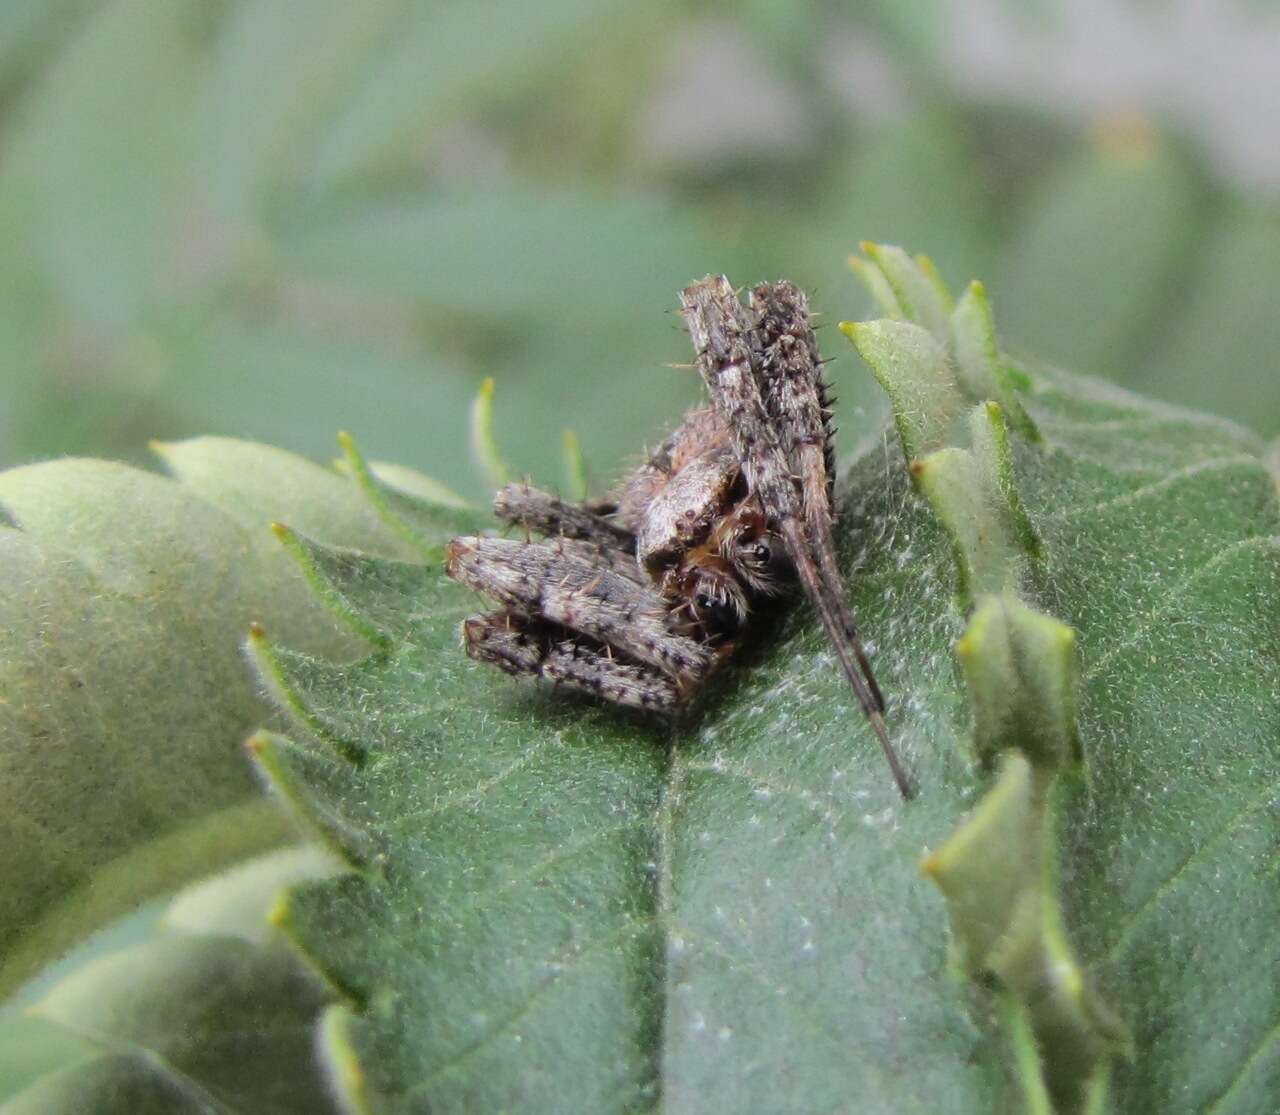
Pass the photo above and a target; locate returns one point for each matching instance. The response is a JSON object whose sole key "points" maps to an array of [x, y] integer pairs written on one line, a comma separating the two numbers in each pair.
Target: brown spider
{"points": [[639, 598]]}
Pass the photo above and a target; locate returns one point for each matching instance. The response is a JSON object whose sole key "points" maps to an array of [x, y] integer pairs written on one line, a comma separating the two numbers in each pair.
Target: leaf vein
{"points": [[1169, 480], [1245, 1068], [476, 794], [1152, 617], [571, 966], [562, 854], [1255, 803], [761, 783]]}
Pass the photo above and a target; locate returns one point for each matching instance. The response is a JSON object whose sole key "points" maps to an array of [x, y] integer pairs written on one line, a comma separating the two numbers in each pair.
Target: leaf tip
{"points": [[347, 1079], [278, 911], [484, 445]]}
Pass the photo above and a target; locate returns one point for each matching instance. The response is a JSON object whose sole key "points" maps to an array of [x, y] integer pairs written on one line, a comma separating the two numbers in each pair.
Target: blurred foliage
{"points": [[275, 218], [197, 1006]]}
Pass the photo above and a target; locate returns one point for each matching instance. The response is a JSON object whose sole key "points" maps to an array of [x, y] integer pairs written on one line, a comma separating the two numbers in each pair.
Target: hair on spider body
{"points": [[637, 599]]}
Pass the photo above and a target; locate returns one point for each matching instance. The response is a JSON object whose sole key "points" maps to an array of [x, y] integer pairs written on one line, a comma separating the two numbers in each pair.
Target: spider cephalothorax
{"points": [[638, 598]]}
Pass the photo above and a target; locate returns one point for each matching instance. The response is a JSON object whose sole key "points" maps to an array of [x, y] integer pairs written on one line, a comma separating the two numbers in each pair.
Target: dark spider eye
{"points": [[719, 617], [765, 557]]}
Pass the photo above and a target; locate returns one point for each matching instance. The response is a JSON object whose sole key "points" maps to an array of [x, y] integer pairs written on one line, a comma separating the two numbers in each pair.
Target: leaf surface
{"points": [[558, 907], [125, 599], [210, 1012]]}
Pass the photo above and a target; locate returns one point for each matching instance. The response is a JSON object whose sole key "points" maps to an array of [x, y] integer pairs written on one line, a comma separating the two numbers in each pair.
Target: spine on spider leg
{"points": [[533, 509], [834, 614], [731, 358], [791, 371], [526, 647]]}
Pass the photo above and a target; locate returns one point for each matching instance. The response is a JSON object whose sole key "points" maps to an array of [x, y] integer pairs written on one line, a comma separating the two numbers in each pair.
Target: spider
{"points": [[639, 598]]}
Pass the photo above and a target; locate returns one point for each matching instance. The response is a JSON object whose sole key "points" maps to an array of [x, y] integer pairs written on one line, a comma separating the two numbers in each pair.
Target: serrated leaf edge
{"points": [[1022, 1013]]}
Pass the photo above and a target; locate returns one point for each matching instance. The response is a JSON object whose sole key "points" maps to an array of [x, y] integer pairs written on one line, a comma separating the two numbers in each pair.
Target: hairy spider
{"points": [[637, 599]]}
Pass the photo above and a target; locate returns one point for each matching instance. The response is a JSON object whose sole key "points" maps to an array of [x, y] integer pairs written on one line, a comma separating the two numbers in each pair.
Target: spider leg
{"points": [[542, 512], [523, 646], [550, 581], [796, 398], [731, 360]]}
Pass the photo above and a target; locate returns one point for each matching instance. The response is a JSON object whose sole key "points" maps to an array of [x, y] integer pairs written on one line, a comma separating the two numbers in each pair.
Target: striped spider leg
{"points": [[761, 367], [637, 599]]}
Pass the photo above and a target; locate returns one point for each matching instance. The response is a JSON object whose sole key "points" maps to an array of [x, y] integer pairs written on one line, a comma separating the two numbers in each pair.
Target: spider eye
{"points": [[718, 616], [764, 557]]}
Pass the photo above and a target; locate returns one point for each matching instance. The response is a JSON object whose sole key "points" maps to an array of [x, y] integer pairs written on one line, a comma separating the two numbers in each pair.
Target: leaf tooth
{"points": [[300, 774], [915, 371], [348, 976], [425, 524], [983, 371], [575, 466], [340, 1060], [379, 598], [277, 670], [874, 280], [484, 445], [920, 293], [305, 553]]}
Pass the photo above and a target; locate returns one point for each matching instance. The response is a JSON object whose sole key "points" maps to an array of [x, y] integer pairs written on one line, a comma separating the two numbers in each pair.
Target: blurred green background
{"points": [[278, 218]]}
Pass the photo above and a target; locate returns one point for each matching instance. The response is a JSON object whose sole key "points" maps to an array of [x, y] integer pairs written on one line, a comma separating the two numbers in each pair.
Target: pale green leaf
{"points": [[563, 908], [125, 698], [211, 1012], [1098, 253]]}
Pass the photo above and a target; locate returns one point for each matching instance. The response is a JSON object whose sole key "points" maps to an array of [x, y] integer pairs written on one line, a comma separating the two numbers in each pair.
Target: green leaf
{"points": [[558, 907], [110, 259], [257, 484], [433, 67], [1217, 342], [1099, 251], [213, 1012], [106, 1086], [125, 602], [31, 1048]]}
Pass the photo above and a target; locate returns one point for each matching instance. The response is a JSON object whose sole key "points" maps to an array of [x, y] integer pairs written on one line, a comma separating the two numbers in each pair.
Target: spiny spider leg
{"points": [[545, 579], [729, 358], [528, 647], [539, 511], [605, 557], [796, 399], [574, 528]]}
